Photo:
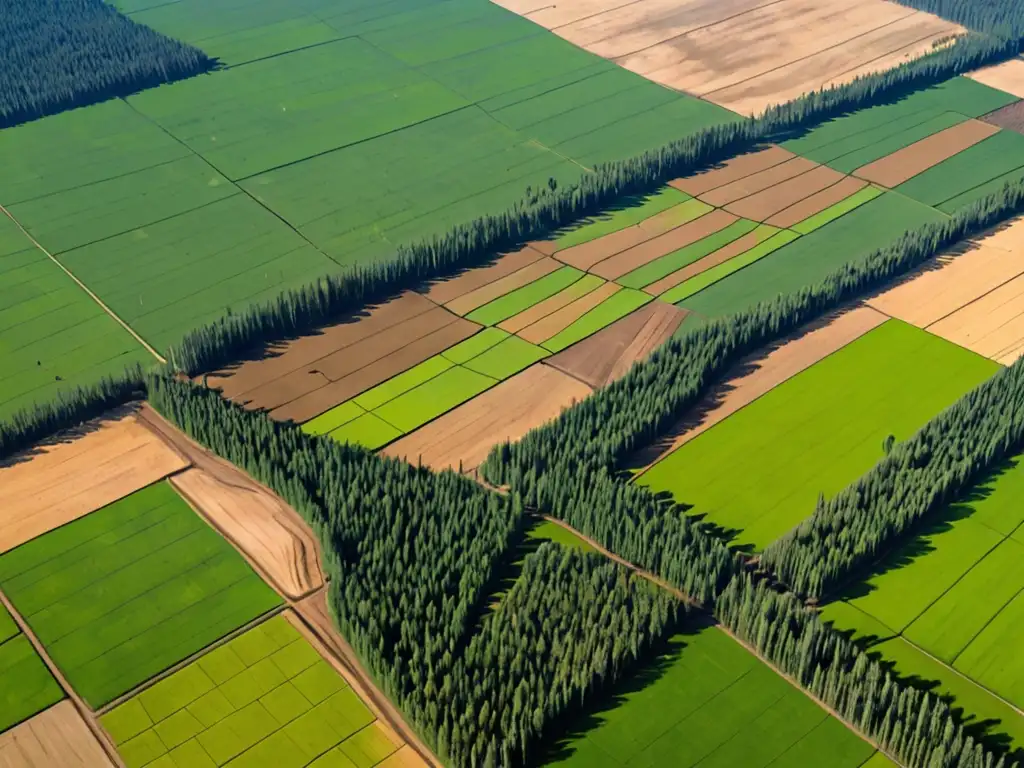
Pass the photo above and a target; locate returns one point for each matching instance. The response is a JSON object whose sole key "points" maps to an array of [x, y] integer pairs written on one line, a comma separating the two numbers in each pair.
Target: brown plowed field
{"points": [[954, 280], [762, 372], [586, 255], [61, 482], [766, 179], [449, 289], [261, 525], [349, 385], [612, 351], [765, 204], [908, 162], [1008, 77], [474, 299], [508, 411], [538, 312], [646, 252], [55, 738], [1010, 117], [558, 321], [743, 54], [992, 325], [735, 248], [816, 203], [734, 169]]}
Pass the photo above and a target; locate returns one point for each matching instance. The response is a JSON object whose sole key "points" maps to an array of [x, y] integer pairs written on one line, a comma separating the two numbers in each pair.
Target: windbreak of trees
{"points": [[909, 723], [916, 478], [61, 54], [996, 17], [545, 210]]}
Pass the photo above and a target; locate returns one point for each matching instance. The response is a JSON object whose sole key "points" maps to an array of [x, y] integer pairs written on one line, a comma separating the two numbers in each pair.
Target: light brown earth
{"points": [[992, 325], [1008, 77], [586, 255], [55, 738], [743, 54], [611, 352], [722, 255], [405, 757], [506, 412], [765, 204], [731, 170], [484, 294], [762, 372], [558, 321], [451, 288], [61, 482], [662, 245], [261, 524], [918, 157], [539, 311], [1010, 117], [756, 182], [817, 203]]}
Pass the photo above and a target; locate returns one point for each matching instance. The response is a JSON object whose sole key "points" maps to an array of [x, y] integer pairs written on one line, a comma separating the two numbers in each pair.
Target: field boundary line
{"points": [[974, 300], [81, 707], [82, 285]]}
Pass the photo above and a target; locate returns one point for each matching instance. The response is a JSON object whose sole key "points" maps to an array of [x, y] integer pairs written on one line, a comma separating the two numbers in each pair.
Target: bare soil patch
{"points": [[262, 525], [646, 252], [558, 321], [992, 325], [1010, 117], [466, 434], [908, 162], [816, 203], [765, 204], [486, 293], [451, 288], [722, 255], [731, 170], [1007, 76], [762, 372], [756, 182], [64, 481], [586, 255], [55, 738], [611, 352]]}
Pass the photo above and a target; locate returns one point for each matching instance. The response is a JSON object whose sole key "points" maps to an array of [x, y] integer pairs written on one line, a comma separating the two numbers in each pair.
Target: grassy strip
{"points": [[513, 303], [833, 212]]}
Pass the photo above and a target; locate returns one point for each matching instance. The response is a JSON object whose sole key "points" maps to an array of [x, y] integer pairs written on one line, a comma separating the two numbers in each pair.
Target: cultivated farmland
{"points": [[55, 738], [26, 685], [817, 432], [124, 593]]}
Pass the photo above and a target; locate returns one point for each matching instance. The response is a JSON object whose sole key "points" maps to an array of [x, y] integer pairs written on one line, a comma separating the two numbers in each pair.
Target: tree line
{"points": [[1004, 18], [910, 723], [61, 54]]}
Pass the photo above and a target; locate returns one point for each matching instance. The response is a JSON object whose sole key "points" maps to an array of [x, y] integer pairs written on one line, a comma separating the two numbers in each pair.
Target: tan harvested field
{"points": [[763, 205], [538, 312], [662, 245], [55, 738], [735, 248], [586, 255], [734, 169], [992, 325], [451, 288], [908, 162], [611, 352], [816, 203], [405, 757], [558, 321], [952, 281], [1008, 77], [756, 182], [762, 372], [261, 525], [743, 54], [475, 299], [508, 411], [1010, 117], [61, 482]]}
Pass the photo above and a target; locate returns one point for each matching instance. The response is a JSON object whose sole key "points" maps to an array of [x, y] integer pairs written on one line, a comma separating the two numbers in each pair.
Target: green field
{"points": [[631, 211], [707, 701], [969, 175], [431, 399], [53, 337], [507, 358], [367, 430], [617, 305], [26, 685], [833, 212], [810, 258], [521, 299], [758, 473], [122, 594], [265, 698]]}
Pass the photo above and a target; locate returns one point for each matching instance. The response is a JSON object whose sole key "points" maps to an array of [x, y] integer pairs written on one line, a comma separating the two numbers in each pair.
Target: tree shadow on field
{"points": [[71, 434], [561, 734]]}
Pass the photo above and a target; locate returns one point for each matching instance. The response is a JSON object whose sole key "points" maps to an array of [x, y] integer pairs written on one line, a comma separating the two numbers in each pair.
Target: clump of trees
{"points": [[910, 723], [918, 477], [1003, 18], [61, 54]]}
